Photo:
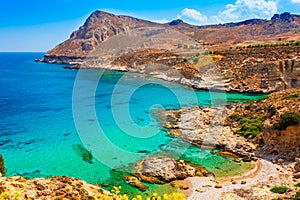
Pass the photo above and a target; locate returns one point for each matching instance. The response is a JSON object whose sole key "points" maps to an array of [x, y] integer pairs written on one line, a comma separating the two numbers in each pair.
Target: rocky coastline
{"points": [[273, 141]]}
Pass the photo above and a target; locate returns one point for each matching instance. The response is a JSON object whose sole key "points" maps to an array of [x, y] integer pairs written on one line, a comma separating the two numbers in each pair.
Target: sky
{"points": [[39, 25]]}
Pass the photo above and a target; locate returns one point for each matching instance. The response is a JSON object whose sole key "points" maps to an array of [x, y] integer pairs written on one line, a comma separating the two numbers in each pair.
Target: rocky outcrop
{"points": [[227, 128], [260, 70], [176, 22], [162, 170], [50, 188], [282, 141], [280, 125], [206, 128]]}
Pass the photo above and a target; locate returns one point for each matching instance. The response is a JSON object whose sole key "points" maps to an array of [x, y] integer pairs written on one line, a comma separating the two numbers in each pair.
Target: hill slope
{"points": [[101, 25]]}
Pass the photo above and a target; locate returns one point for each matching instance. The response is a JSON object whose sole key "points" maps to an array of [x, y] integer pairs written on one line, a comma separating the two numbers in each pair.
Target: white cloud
{"points": [[295, 1], [243, 9], [194, 15]]}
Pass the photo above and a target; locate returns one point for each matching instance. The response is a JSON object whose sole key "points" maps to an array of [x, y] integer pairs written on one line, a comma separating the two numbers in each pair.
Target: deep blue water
{"points": [[44, 116]]}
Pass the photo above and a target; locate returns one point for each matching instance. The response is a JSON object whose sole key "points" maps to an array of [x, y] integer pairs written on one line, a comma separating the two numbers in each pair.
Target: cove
{"points": [[40, 138]]}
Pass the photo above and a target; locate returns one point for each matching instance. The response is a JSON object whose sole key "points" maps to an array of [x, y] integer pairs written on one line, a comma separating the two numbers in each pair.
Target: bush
{"points": [[279, 189], [297, 185], [293, 96], [251, 127], [235, 117], [287, 119], [271, 111]]}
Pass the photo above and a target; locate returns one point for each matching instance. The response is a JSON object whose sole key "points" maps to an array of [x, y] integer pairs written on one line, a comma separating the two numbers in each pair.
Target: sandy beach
{"points": [[205, 188]]}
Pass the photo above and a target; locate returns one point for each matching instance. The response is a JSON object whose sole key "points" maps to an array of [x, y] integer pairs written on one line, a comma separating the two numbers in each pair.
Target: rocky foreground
{"points": [[51, 188]]}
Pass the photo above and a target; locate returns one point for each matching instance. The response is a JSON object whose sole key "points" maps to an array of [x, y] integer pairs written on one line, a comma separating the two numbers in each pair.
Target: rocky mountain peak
{"points": [[176, 22], [284, 17], [96, 16]]}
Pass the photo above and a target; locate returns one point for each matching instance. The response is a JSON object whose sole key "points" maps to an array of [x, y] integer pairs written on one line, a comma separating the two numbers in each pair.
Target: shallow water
{"points": [[38, 128]]}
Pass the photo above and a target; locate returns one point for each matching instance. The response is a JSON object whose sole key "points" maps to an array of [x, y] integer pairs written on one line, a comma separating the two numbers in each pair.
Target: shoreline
{"points": [[219, 87]]}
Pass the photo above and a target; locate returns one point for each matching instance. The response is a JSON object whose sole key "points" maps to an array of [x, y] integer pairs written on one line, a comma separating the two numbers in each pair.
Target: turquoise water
{"points": [[39, 130]]}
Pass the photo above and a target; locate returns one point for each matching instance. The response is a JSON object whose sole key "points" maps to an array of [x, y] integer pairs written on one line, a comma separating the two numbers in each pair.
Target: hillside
{"points": [[101, 25], [255, 56]]}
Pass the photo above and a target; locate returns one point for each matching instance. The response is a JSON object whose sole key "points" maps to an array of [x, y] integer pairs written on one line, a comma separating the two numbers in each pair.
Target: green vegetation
{"points": [[83, 152], [293, 96], [250, 125], [2, 167], [271, 111], [279, 189], [287, 119], [290, 43], [297, 185]]}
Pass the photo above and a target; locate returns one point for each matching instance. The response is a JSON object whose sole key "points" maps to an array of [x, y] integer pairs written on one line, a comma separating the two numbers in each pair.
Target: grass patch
{"points": [[279, 189], [287, 119]]}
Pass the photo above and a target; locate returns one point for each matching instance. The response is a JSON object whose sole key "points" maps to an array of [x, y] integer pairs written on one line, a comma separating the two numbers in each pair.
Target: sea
{"points": [[94, 124]]}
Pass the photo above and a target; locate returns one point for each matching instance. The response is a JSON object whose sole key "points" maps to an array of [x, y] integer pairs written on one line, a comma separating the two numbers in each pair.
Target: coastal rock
{"points": [[163, 170], [284, 140], [134, 181], [204, 127], [51, 188]]}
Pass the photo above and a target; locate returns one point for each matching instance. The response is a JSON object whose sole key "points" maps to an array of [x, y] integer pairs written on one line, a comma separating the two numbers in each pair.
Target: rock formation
{"points": [[162, 170], [51, 188], [273, 124]]}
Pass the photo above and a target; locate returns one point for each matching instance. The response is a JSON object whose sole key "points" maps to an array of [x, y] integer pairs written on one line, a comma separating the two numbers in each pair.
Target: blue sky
{"points": [[39, 25]]}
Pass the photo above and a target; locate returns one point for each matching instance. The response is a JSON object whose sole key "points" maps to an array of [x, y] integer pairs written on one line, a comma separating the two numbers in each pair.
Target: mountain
{"points": [[102, 25]]}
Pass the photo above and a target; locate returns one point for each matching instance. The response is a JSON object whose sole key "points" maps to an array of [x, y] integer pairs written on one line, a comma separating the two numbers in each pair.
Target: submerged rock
{"points": [[83, 152], [135, 182]]}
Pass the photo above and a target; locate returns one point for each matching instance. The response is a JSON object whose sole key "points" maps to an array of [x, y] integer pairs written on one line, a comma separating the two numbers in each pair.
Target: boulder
{"points": [[164, 170]]}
